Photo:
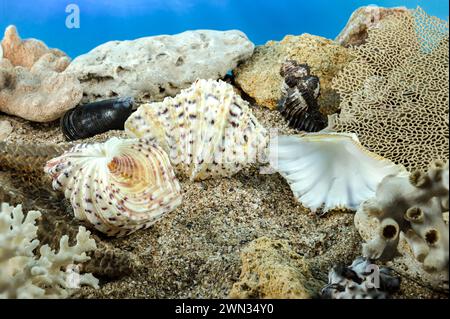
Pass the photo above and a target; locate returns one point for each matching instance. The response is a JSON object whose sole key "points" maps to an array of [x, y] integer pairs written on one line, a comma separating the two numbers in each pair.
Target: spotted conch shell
{"points": [[207, 130], [329, 170], [118, 186]]}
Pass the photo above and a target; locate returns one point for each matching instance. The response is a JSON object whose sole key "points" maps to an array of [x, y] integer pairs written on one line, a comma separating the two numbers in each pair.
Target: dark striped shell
{"points": [[300, 91]]}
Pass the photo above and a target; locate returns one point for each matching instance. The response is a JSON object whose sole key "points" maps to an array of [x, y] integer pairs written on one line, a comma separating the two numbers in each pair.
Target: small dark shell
{"points": [[95, 118], [345, 282], [299, 102], [291, 67]]}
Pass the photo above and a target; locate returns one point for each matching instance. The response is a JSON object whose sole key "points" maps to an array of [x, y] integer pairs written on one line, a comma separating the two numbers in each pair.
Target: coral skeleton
{"points": [[395, 93], [362, 280], [413, 206], [26, 273]]}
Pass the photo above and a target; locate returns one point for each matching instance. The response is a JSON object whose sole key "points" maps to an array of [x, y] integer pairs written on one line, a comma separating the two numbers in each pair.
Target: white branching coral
{"points": [[24, 274], [413, 206]]}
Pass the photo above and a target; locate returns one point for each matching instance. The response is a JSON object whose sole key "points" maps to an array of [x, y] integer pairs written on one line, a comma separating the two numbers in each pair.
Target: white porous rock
{"points": [[152, 68], [26, 274]]}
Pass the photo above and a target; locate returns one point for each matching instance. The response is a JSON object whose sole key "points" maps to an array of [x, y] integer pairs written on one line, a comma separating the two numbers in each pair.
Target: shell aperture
{"points": [[118, 186], [207, 130], [329, 170]]}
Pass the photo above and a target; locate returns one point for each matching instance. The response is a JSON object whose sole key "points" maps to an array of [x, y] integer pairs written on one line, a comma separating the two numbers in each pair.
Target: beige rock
{"points": [[259, 76], [5, 129], [272, 270], [32, 82], [362, 19], [26, 52]]}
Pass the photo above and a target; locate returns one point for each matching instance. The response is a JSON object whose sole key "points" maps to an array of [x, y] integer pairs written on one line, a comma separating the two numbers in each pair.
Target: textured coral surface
{"points": [[395, 94], [271, 269]]}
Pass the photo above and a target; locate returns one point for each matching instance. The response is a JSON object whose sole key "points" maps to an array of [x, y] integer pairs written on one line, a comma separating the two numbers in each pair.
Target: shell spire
{"points": [[118, 186], [300, 92], [207, 130]]}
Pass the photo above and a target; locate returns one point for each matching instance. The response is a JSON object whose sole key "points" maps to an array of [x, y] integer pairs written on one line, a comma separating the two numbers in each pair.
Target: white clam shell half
{"points": [[329, 170]]}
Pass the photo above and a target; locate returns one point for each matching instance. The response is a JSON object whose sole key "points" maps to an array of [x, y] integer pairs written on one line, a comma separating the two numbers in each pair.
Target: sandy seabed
{"points": [[194, 251]]}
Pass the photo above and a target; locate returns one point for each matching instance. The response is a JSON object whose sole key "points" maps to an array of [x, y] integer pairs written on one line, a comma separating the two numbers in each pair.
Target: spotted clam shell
{"points": [[118, 186], [207, 130]]}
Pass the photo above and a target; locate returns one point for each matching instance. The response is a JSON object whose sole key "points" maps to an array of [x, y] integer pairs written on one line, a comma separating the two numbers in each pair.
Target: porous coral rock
{"points": [[259, 76], [395, 94], [152, 68], [411, 207], [32, 82], [362, 19], [272, 270], [23, 273], [27, 52]]}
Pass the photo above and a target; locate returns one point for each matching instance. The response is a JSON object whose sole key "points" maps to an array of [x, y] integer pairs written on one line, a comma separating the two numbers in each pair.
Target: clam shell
{"points": [[118, 186], [329, 171], [207, 130]]}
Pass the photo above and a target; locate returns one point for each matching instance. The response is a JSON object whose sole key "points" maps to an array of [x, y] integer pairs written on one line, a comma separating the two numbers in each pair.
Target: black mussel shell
{"points": [[95, 118]]}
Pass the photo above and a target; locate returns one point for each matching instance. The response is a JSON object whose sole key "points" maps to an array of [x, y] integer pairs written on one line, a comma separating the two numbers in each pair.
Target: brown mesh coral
{"points": [[395, 92]]}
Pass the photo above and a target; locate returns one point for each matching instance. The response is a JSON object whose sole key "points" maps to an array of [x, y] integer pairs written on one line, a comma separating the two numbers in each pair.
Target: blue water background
{"points": [[263, 20]]}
